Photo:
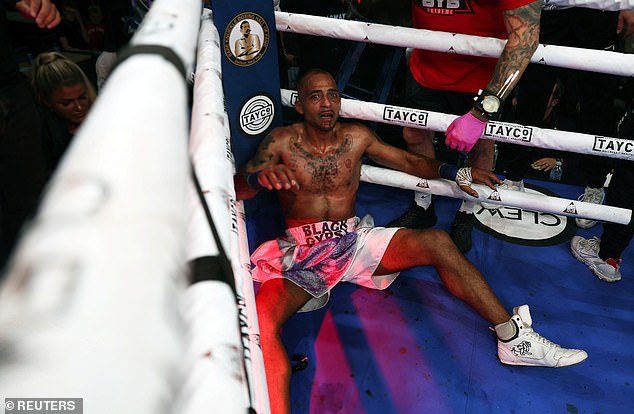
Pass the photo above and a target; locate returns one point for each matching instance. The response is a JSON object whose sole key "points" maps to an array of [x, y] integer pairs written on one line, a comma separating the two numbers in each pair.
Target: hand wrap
{"points": [[464, 177]]}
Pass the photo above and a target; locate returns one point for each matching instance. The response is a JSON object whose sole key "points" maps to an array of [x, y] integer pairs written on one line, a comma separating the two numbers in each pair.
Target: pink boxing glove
{"points": [[464, 132]]}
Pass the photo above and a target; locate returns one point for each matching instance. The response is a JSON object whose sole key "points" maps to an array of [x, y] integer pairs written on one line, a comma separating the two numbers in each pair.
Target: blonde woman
{"points": [[66, 95]]}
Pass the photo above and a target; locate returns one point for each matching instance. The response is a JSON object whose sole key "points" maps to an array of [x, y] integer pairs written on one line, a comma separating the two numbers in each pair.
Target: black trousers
{"points": [[22, 163], [616, 237], [575, 27]]}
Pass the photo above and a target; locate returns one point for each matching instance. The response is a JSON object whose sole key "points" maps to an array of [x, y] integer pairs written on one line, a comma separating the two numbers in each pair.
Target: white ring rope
{"points": [[439, 121], [591, 4], [89, 305], [551, 55], [210, 148], [498, 131], [526, 201]]}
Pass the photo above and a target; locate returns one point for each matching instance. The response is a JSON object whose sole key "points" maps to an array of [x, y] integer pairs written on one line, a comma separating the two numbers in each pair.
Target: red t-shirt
{"points": [[450, 71]]}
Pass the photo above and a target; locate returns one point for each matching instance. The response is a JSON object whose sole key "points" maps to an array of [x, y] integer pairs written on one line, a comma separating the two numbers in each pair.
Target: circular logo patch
{"points": [[531, 228], [256, 115], [246, 39]]}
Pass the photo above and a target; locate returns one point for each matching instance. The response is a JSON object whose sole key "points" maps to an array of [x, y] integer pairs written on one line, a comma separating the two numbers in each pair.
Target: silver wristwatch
{"points": [[488, 104]]}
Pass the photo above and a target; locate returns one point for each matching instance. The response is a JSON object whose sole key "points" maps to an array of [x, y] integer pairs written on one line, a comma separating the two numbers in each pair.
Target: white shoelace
{"points": [[538, 338], [592, 196], [592, 244]]}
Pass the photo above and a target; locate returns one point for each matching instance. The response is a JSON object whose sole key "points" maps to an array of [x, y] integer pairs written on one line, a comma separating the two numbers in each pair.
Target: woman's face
{"points": [[71, 103]]}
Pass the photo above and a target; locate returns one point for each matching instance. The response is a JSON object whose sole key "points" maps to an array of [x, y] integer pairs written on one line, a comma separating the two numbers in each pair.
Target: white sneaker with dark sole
{"points": [[531, 349]]}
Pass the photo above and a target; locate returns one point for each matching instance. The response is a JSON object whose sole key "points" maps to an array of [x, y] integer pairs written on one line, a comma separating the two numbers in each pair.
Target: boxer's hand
{"points": [[467, 175], [485, 177], [278, 177], [464, 132]]}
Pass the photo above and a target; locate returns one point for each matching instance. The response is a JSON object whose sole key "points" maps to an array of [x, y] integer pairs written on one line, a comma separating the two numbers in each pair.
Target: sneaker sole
{"points": [[582, 358], [593, 268], [600, 276]]}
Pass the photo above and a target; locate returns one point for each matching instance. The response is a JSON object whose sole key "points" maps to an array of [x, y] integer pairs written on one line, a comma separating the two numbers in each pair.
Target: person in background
{"points": [[585, 28], [120, 26], [65, 95], [72, 33], [517, 159], [308, 52], [603, 255], [95, 28], [449, 82], [22, 163]]}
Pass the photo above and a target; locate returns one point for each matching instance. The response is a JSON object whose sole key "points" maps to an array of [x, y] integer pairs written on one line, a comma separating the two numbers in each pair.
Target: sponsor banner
{"points": [[608, 145], [256, 115], [249, 72], [292, 98], [508, 132], [526, 227], [405, 116]]}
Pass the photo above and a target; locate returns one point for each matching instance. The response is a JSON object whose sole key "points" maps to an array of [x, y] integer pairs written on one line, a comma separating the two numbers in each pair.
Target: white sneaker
{"points": [[590, 195], [506, 185], [531, 349], [587, 251]]}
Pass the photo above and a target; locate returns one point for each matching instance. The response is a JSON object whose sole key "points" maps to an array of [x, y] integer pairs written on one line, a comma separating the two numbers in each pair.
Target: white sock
{"points": [[422, 199], [506, 330]]}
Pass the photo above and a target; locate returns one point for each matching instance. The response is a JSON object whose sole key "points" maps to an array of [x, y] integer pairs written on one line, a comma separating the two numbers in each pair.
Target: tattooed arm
{"points": [[522, 25], [398, 159], [265, 169], [420, 165]]}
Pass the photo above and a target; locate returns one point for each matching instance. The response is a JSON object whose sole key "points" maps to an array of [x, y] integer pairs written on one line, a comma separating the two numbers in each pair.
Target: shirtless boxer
{"points": [[315, 167]]}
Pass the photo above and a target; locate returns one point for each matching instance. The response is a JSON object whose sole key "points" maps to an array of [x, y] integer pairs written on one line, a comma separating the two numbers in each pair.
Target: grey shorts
{"points": [[318, 256]]}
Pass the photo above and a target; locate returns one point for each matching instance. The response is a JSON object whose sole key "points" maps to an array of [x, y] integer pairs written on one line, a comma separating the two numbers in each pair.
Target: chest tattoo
{"points": [[324, 170]]}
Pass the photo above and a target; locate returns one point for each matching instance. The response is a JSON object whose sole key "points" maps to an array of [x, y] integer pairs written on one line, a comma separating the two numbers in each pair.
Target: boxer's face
{"points": [[319, 101]]}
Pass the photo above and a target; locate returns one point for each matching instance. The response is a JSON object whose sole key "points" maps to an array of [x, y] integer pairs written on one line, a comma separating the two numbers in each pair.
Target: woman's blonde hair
{"points": [[52, 70]]}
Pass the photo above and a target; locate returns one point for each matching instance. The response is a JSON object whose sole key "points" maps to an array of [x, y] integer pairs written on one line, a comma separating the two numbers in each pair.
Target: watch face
{"points": [[490, 104]]}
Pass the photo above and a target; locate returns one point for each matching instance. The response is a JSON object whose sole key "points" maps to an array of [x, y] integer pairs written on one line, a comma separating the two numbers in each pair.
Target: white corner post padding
{"points": [[224, 350], [89, 304]]}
